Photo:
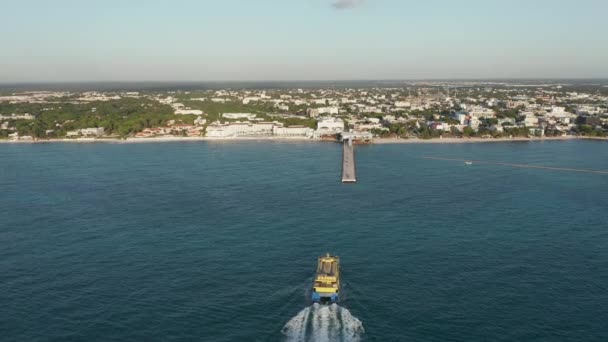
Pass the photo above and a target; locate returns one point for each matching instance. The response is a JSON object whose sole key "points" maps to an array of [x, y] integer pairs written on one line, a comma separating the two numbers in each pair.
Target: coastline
{"points": [[379, 141], [476, 140], [159, 140]]}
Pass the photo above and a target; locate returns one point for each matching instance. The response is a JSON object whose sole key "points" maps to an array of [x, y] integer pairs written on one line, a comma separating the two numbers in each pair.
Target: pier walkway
{"points": [[348, 163]]}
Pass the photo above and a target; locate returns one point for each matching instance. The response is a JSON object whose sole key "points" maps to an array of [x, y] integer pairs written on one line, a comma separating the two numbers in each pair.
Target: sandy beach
{"points": [[159, 140], [294, 139], [470, 140]]}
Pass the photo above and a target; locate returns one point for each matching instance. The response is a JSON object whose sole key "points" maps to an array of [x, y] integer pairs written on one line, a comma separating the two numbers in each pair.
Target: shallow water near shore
{"points": [[217, 241]]}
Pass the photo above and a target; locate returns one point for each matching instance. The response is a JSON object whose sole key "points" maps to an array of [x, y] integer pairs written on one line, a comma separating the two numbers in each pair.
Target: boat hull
{"points": [[326, 285], [318, 297]]}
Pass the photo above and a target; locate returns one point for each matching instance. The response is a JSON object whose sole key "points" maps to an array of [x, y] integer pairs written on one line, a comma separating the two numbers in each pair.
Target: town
{"points": [[414, 111]]}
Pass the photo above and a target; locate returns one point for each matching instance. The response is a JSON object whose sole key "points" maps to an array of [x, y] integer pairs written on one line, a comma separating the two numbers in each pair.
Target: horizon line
{"points": [[313, 80]]}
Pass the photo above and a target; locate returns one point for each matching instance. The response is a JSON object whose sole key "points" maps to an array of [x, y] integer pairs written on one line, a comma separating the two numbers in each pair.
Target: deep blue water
{"points": [[218, 241]]}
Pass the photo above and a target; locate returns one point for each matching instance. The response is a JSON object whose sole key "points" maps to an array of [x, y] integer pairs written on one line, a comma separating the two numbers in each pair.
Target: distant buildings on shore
{"points": [[329, 126], [249, 129], [425, 110], [94, 132], [17, 117], [239, 116]]}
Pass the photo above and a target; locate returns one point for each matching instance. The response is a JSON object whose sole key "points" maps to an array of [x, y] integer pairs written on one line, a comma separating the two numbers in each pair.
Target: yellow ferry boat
{"points": [[326, 286]]}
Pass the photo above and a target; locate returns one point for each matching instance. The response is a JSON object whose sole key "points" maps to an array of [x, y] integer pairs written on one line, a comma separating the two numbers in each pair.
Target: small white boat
{"points": [[468, 163]]}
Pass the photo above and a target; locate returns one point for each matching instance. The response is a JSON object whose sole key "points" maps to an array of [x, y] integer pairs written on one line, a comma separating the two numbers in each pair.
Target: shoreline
{"points": [[477, 140], [378, 141], [159, 140]]}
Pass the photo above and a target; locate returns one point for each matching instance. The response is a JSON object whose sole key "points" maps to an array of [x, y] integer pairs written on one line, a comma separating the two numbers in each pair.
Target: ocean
{"points": [[212, 241]]}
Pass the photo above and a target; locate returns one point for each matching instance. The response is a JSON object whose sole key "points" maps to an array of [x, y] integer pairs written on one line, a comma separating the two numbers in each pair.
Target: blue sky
{"points": [[203, 40]]}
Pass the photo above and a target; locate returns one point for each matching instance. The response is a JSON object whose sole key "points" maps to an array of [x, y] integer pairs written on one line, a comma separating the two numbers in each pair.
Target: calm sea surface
{"points": [[218, 242]]}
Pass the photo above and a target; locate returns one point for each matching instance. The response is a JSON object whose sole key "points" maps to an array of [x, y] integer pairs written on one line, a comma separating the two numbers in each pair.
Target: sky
{"points": [[232, 40]]}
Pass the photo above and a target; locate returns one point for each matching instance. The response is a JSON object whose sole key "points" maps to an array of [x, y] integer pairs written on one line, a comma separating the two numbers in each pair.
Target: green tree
{"points": [[468, 131]]}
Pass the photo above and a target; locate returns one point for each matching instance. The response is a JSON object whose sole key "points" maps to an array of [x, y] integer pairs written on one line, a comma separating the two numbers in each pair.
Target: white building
{"points": [[87, 132], [17, 117], [588, 110], [188, 112], [94, 96], [236, 129], [389, 118], [312, 112], [518, 103], [361, 136], [369, 109], [555, 110], [440, 126], [497, 128], [247, 100], [283, 107], [481, 112], [239, 116], [329, 126], [531, 121], [369, 127], [167, 100], [474, 122], [199, 121], [292, 131], [329, 110], [96, 131]]}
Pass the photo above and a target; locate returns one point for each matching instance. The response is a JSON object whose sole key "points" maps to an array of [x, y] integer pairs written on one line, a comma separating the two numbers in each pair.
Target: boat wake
{"points": [[323, 323]]}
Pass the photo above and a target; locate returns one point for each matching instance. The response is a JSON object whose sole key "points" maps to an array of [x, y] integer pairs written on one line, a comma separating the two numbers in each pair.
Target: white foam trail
{"points": [[334, 315], [324, 323], [295, 329], [352, 328], [321, 325]]}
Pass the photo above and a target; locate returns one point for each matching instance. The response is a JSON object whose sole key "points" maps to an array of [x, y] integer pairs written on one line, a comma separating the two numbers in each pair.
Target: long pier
{"points": [[348, 163]]}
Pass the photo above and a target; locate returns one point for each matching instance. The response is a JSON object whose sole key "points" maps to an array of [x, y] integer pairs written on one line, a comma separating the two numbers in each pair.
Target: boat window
{"points": [[328, 268]]}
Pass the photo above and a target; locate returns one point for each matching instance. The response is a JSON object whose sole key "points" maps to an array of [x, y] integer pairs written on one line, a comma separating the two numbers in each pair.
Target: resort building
{"points": [[87, 132], [239, 116], [330, 126], [238, 129], [292, 131], [92, 132], [481, 112]]}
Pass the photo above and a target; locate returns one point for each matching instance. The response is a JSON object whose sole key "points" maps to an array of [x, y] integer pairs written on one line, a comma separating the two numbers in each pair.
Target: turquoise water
{"points": [[218, 241]]}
